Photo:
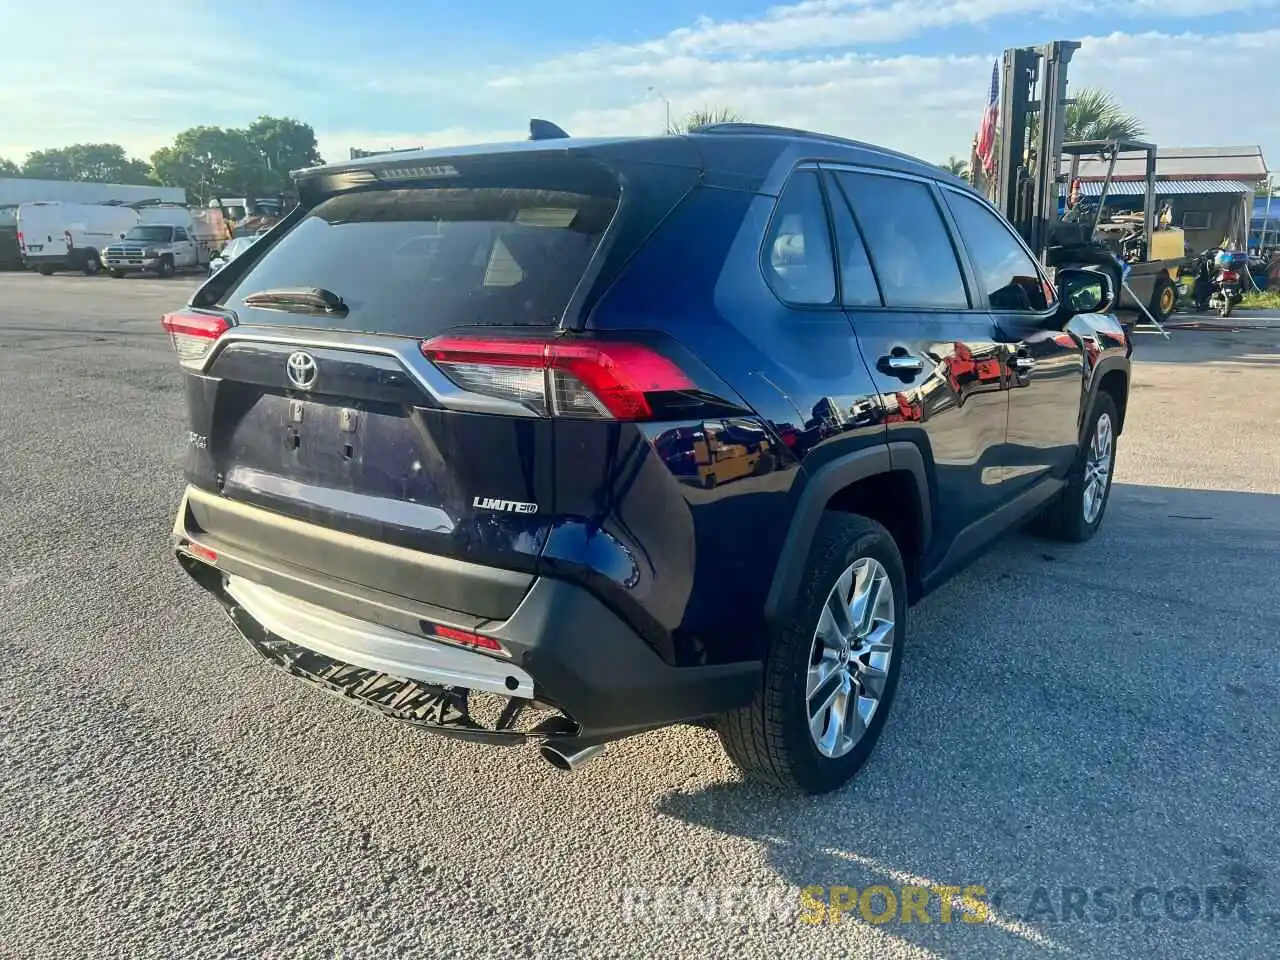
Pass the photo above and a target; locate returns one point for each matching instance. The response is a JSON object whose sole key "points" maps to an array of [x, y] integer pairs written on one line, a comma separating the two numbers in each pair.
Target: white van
{"points": [[56, 236]]}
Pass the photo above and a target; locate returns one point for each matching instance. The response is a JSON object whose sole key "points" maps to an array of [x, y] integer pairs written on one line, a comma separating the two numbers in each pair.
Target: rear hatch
{"points": [[381, 367]]}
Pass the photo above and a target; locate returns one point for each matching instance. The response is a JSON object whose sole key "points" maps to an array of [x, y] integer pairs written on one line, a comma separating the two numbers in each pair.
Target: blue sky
{"points": [[910, 74]]}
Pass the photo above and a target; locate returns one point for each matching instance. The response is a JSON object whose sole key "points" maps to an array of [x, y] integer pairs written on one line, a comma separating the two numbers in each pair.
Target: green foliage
{"points": [[1266, 300], [283, 144], [1097, 115], [211, 162], [706, 117], [955, 165], [207, 161], [98, 162]]}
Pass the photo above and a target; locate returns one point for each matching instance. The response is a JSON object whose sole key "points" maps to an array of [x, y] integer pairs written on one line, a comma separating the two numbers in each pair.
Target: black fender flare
{"points": [[1105, 365], [823, 484]]}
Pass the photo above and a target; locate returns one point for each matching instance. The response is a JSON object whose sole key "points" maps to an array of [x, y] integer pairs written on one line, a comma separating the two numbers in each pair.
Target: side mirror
{"points": [[1086, 291]]}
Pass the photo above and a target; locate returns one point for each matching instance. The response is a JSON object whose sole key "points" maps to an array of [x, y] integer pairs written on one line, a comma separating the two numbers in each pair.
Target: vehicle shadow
{"points": [[1058, 726]]}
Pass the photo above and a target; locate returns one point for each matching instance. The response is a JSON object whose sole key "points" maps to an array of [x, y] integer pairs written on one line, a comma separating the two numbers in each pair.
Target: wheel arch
{"points": [[1111, 377], [886, 483]]}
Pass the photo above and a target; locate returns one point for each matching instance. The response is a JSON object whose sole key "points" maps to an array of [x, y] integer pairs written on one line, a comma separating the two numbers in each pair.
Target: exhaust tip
{"points": [[569, 760]]}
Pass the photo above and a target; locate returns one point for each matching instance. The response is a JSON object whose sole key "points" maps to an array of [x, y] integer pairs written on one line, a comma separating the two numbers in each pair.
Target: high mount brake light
{"points": [[193, 334], [589, 380]]}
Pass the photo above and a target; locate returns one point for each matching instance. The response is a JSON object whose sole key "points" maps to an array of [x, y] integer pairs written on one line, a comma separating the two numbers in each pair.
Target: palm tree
{"points": [[1097, 115], [705, 118], [956, 166]]}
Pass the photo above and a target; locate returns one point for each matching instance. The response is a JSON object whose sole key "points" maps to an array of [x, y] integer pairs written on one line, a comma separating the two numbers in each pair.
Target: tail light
{"points": [[591, 380], [193, 334], [1230, 276], [22, 243]]}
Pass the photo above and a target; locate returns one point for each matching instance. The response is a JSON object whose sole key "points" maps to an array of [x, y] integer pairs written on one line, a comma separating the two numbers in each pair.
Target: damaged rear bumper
{"points": [[573, 671]]}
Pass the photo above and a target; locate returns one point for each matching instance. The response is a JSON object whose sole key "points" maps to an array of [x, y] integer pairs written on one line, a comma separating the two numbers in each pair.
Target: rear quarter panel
{"points": [[699, 281]]}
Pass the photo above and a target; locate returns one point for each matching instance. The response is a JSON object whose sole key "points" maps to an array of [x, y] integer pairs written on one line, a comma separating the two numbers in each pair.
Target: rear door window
{"points": [[417, 261], [907, 240]]}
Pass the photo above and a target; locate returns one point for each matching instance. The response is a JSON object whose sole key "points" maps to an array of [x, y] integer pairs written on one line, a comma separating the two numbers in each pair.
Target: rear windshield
{"points": [[417, 261]]}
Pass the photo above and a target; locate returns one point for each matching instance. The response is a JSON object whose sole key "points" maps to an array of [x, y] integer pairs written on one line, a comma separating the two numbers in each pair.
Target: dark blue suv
{"points": [[568, 439]]}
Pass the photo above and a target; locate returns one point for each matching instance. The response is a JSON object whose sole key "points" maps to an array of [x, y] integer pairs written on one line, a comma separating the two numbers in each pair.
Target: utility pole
{"points": [[667, 102]]}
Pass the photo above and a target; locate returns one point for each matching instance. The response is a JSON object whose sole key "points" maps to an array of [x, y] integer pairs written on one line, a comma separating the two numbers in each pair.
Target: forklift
{"points": [[1140, 254]]}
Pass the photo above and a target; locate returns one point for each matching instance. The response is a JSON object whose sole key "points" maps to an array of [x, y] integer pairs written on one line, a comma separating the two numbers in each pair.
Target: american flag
{"points": [[987, 132]]}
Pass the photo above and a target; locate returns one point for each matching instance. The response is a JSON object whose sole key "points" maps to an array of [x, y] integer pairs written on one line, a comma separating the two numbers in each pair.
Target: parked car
{"points": [[160, 248], [232, 250], [54, 236], [451, 422]]}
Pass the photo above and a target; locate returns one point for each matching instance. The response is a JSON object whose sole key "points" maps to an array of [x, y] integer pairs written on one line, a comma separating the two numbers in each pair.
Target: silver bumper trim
{"points": [[374, 646]]}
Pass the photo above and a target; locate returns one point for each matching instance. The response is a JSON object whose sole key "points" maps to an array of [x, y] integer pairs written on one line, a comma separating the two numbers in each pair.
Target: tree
{"points": [[98, 162], [211, 162], [705, 117], [284, 144], [1097, 115], [956, 166], [8, 168]]}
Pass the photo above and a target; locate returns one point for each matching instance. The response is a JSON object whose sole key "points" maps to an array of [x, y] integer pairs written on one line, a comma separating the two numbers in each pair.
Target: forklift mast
{"points": [[1034, 85]]}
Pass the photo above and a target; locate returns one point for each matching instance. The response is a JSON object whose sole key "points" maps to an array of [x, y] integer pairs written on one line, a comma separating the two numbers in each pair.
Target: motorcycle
{"points": [[1228, 286]]}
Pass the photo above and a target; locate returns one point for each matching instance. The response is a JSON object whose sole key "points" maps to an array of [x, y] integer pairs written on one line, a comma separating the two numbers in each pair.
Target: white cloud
{"points": [[820, 64], [928, 106]]}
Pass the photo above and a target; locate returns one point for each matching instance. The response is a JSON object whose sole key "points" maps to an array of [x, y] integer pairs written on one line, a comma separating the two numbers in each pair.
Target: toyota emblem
{"points": [[301, 367]]}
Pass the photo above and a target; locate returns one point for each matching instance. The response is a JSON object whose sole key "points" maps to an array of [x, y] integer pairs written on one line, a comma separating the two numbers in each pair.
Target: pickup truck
{"points": [[162, 249]]}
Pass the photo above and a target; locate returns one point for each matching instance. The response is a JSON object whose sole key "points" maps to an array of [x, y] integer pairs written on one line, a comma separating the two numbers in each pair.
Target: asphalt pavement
{"points": [[1072, 721]]}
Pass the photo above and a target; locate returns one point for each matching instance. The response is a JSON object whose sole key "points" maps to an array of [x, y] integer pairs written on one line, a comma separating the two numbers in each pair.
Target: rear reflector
{"points": [[1230, 276], [560, 378], [468, 639], [201, 553], [193, 334]]}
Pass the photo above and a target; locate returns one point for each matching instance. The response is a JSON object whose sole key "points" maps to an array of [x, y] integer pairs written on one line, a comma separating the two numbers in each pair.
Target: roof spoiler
{"points": [[545, 130]]}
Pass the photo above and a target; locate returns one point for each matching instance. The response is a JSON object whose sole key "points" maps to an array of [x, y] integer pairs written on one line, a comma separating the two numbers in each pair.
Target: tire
{"points": [[45, 271], [92, 264], [771, 739], [709, 481], [165, 270], [1224, 307], [1164, 299], [116, 274], [1067, 517]]}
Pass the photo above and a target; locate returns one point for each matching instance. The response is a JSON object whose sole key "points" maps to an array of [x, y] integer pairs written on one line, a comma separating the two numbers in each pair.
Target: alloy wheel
{"points": [[849, 657], [1097, 468]]}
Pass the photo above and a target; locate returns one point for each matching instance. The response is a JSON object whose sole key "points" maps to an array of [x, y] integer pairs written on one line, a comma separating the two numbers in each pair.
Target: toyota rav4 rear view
{"points": [[565, 440]]}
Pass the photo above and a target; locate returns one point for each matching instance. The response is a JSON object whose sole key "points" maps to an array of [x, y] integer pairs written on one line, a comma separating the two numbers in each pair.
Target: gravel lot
{"points": [[1102, 716]]}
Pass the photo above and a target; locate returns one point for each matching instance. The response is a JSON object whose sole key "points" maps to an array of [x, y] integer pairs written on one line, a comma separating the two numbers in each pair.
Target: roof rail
{"points": [[768, 129]]}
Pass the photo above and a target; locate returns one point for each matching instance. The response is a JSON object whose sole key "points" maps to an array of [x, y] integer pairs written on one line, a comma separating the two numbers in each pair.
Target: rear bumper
{"points": [[566, 651]]}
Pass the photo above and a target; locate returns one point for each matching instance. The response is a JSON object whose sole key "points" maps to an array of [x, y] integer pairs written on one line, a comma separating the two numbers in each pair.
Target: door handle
{"points": [[1023, 364], [901, 363]]}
